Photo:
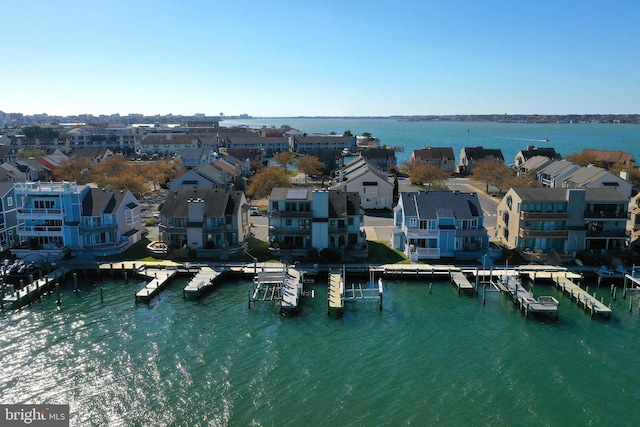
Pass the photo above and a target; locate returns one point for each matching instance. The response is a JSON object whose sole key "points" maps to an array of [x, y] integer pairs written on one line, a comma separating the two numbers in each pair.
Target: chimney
{"points": [[195, 208], [624, 174]]}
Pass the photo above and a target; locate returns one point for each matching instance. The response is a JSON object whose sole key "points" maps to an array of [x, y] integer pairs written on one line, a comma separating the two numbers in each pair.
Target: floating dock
{"points": [[201, 282], [32, 291], [159, 280], [336, 292]]}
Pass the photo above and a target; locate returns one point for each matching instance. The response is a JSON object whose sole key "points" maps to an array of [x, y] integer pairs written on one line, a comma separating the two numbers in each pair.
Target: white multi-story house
{"points": [[373, 185]]}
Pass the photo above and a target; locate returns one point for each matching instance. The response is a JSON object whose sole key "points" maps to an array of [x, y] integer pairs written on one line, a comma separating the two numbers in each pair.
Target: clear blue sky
{"points": [[346, 57]]}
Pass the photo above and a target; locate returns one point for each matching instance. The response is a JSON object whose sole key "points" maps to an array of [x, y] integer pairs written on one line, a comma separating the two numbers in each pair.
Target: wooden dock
{"points": [[201, 282], [33, 290], [461, 282], [581, 296], [336, 292], [525, 299], [370, 291], [159, 280]]}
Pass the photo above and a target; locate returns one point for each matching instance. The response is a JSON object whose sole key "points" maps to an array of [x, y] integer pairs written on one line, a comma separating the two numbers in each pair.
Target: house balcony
{"points": [[543, 216], [471, 233], [39, 230], [289, 231], [45, 187], [620, 234], [289, 214], [553, 234], [33, 213], [420, 233], [98, 228], [424, 253], [607, 214]]}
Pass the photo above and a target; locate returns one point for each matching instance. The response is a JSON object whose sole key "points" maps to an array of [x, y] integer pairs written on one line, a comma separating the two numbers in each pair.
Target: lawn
{"points": [[381, 253]]}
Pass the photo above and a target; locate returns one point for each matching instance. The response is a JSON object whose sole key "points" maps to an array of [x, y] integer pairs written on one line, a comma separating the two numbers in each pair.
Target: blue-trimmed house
{"points": [[437, 224]]}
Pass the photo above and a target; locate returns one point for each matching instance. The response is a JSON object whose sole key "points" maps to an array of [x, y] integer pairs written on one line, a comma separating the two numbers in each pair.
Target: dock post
{"points": [[380, 301], [587, 288], [430, 284], [630, 304], [615, 290], [249, 299], [126, 277], [75, 282], [101, 296], [599, 280], [58, 288], [624, 291], [124, 273], [21, 283], [612, 287], [484, 294]]}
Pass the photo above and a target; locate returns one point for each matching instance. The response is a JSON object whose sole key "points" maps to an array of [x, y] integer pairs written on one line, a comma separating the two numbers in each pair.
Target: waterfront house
{"points": [[374, 186], [211, 222], [470, 156], [533, 151], [302, 222], [441, 157], [309, 144], [55, 218], [8, 216], [436, 224], [253, 141], [563, 220]]}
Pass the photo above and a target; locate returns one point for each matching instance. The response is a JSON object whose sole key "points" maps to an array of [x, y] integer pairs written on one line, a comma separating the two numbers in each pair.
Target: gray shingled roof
{"points": [[217, 202], [427, 205], [544, 194]]}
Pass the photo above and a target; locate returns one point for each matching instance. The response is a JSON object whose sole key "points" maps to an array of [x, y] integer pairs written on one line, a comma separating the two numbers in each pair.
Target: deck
{"points": [[525, 299], [582, 297]]}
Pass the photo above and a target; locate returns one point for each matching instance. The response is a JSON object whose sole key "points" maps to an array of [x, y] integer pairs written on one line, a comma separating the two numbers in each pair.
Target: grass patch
{"points": [[137, 252], [380, 253]]}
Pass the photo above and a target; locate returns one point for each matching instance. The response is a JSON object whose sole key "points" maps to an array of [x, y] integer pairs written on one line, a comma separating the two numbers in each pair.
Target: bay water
{"points": [[566, 138], [436, 358]]}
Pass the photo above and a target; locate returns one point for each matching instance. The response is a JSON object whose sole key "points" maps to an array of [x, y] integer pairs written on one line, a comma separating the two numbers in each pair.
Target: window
{"points": [[9, 201], [288, 222], [413, 222]]}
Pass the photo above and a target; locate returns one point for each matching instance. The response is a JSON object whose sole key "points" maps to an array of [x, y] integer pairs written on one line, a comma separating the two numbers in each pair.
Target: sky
{"points": [[320, 58]]}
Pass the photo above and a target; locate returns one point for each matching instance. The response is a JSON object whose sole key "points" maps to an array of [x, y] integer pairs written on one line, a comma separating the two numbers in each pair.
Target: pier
{"points": [[33, 290], [159, 280], [336, 292], [525, 299], [283, 286], [563, 281], [461, 282], [201, 282]]}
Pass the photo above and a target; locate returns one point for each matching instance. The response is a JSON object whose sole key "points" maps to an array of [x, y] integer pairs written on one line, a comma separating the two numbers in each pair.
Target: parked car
{"points": [[253, 211]]}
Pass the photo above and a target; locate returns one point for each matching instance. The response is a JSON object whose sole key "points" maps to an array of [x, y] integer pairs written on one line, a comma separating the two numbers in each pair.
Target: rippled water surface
{"points": [[426, 359]]}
